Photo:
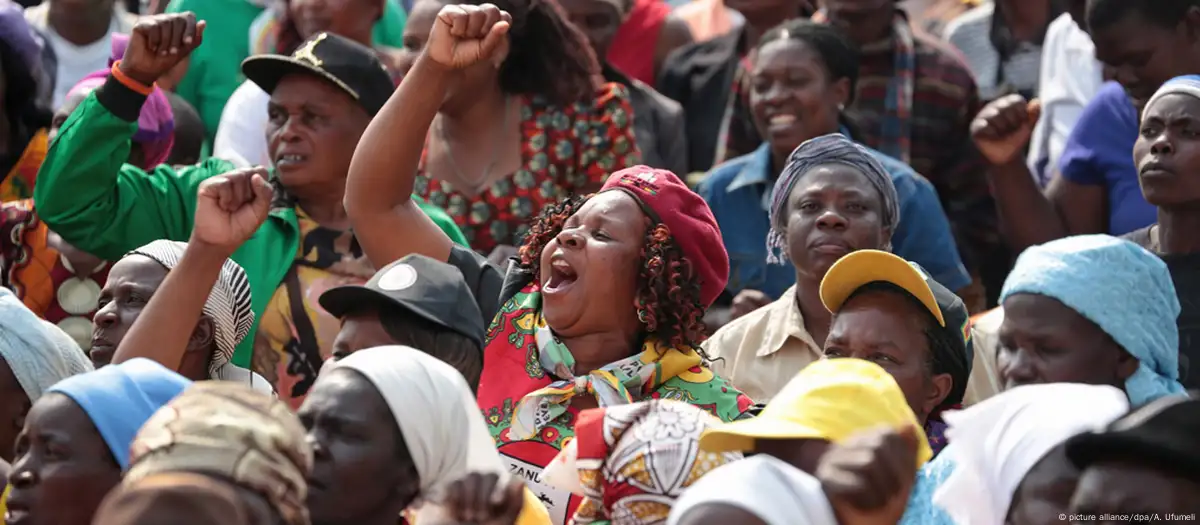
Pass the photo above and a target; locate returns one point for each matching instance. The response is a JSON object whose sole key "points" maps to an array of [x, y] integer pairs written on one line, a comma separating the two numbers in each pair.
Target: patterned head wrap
{"points": [[1186, 85], [834, 148], [1122, 288], [230, 431], [155, 124], [630, 462], [228, 304], [38, 357]]}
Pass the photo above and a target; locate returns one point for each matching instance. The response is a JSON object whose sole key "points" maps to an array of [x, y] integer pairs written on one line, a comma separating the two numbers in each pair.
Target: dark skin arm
{"points": [[675, 34], [383, 171], [1027, 216]]}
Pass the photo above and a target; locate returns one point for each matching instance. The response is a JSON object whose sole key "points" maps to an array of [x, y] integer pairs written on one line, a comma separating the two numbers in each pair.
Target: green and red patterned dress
{"points": [[564, 150], [528, 383]]}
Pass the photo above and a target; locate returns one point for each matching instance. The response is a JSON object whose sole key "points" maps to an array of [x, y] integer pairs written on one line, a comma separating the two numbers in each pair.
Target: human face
{"points": [[360, 330], [589, 272], [14, 404], [358, 473], [352, 19], [61, 458], [792, 97], [888, 329], [1045, 492], [1116, 487], [1167, 151], [1044, 341], [597, 19], [1142, 55], [312, 130], [804, 454], [832, 211], [862, 21], [131, 282]]}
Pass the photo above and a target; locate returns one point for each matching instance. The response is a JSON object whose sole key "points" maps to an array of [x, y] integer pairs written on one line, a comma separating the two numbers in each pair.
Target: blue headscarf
{"points": [[120, 398], [1122, 288], [1186, 84]]}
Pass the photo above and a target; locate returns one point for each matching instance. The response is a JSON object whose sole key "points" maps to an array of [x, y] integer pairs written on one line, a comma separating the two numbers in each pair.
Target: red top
{"points": [[564, 150], [639, 33]]}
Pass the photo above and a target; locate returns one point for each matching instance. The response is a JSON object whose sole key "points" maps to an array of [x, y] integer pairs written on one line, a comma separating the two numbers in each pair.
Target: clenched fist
{"points": [[1003, 128], [868, 477], [230, 207], [466, 34], [157, 43]]}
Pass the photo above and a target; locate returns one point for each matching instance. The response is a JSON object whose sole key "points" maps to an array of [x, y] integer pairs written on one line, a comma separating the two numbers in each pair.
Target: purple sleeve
{"points": [[1102, 139]]}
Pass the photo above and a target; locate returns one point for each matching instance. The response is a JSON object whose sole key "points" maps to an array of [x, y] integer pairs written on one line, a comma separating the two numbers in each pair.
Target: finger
{"points": [[224, 194], [479, 492], [495, 37], [153, 33], [262, 189], [175, 35], [1035, 110], [189, 29], [514, 500], [492, 488], [451, 497], [455, 19], [477, 23], [198, 37]]}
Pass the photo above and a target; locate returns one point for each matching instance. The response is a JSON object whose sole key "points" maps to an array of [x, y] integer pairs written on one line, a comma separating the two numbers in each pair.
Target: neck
{"points": [[808, 298], [594, 351], [1177, 230], [81, 28], [325, 207]]}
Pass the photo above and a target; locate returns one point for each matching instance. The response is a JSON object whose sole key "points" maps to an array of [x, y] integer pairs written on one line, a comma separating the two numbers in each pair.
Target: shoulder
{"points": [[663, 104], [753, 322], [1110, 105], [721, 176], [974, 20]]}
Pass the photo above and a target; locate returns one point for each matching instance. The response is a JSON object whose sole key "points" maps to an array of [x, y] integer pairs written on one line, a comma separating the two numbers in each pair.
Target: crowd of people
{"points": [[626, 262]]}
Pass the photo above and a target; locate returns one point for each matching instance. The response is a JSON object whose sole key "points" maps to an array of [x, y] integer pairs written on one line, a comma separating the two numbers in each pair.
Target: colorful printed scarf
{"points": [[896, 135], [527, 406], [18, 183]]}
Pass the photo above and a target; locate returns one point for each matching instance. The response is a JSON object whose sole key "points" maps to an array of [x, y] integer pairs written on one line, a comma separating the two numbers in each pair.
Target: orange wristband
{"points": [[129, 82]]}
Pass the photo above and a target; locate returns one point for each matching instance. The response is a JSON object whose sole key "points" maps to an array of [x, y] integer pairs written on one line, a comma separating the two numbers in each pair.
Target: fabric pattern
{"points": [[289, 351], [30, 349], [18, 183], [229, 430], [228, 303], [565, 150], [1137, 304], [633, 461]]}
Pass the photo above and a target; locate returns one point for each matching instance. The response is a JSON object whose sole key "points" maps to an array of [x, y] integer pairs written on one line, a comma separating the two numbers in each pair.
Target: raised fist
{"points": [[230, 207], [480, 499], [868, 477], [465, 34], [157, 43], [1003, 128]]}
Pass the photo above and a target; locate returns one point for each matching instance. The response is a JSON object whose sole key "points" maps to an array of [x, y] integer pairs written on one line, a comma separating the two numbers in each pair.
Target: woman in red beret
{"points": [[604, 305]]}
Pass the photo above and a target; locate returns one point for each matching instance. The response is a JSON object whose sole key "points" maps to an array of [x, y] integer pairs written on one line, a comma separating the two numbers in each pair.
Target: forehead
{"points": [[297, 90], [56, 411], [838, 177], [344, 390], [137, 269], [614, 205], [786, 52], [884, 308], [1173, 106]]}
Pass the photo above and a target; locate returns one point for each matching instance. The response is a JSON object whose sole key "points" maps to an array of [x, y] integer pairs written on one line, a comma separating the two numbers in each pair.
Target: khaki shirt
{"points": [[763, 350], [985, 375]]}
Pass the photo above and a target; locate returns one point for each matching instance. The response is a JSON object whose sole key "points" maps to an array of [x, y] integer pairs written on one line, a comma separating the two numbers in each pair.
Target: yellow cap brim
{"points": [[741, 435], [863, 267]]}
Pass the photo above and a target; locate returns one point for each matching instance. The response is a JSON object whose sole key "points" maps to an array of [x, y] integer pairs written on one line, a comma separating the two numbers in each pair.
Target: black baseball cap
{"points": [[1161, 434], [429, 288], [354, 68], [864, 267]]}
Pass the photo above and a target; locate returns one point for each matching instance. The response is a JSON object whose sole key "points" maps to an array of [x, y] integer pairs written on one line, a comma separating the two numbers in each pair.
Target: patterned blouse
{"points": [[563, 151]]}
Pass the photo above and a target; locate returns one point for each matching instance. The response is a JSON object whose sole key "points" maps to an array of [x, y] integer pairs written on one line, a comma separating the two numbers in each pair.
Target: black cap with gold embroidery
{"points": [[350, 66]]}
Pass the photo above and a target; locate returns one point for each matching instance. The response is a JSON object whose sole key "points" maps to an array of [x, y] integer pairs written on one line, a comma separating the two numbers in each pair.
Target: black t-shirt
{"points": [[1185, 273], [493, 286]]}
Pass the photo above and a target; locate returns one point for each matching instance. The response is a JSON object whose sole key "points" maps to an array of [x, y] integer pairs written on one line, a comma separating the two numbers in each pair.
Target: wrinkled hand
{"points": [[230, 207], [868, 477], [1003, 127], [157, 43], [479, 499], [747, 301], [466, 34]]}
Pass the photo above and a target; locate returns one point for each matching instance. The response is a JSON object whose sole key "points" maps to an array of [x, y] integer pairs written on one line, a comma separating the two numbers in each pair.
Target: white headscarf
{"points": [[435, 410], [996, 442], [778, 493], [38, 353]]}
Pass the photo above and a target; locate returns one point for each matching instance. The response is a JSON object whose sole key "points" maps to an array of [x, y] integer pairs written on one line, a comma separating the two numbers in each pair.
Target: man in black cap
{"points": [[1147, 462], [417, 302]]}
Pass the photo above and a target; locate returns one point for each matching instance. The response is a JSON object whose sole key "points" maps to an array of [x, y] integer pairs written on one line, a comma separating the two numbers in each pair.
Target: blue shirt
{"points": [[738, 193], [1099, 152]]}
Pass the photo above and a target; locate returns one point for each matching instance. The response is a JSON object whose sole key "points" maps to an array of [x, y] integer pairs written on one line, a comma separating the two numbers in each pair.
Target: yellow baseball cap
{"points": [[863, 267], [831, 399]]}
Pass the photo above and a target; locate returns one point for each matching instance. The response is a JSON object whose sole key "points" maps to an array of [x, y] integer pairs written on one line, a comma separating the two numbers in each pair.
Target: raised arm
{"points": [[229, 209], [387, 221]]}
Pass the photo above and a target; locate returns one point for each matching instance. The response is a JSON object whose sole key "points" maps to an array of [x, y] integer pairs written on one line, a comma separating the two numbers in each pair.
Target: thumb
{"points": [[1034, 110], [494, 37]]}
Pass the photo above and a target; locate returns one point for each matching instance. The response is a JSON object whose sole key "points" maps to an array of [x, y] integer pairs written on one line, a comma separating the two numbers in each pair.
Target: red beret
{"points": [[667, 200]]}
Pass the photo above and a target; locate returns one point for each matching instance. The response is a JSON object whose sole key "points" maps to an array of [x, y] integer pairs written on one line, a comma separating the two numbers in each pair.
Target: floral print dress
{"points": [[563, 151]]}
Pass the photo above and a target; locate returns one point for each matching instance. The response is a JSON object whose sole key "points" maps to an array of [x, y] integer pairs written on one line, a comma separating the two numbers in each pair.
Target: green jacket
{"points": [[87, 194]]}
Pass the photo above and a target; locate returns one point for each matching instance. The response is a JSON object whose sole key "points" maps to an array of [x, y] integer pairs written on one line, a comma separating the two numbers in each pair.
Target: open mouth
{"points": [[781, 122], [562, 276], [16, 514], [290, 160]]}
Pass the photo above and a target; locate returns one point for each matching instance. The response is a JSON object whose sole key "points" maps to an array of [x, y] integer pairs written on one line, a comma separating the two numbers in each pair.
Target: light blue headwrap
{"points": [[1123, 289], [834, 148], [1186, 84], [38, 353], [120, 398]]}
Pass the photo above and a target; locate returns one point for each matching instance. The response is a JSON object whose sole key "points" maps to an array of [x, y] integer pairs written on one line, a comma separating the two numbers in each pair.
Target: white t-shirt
{"points": [[242, 132], [76, 62]]}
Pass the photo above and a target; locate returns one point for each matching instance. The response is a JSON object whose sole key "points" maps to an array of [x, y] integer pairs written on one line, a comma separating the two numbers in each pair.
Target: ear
{"points": [[940, 385], [203, 336], [886, 234], [840, 91], [1126, 366]]}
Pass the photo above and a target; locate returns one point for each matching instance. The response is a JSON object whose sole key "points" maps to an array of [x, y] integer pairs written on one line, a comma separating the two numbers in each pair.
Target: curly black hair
{"points": [[668, 295]]}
